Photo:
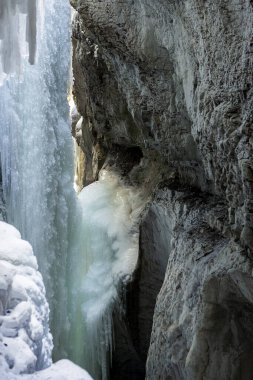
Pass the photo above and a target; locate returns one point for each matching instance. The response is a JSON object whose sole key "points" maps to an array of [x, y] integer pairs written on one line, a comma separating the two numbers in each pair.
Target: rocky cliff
{"points": [[164, 93]]}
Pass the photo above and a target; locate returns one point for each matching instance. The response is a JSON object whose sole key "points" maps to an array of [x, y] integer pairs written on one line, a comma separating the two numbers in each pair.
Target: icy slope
{"points": [[25, 339]]}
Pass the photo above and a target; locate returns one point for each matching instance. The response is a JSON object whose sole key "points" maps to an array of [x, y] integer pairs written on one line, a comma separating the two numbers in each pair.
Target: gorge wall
{"points": [[164, 95]]}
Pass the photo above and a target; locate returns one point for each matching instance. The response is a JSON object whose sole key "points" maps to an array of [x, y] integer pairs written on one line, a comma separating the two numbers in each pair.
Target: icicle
{"points": [[18, 34]]}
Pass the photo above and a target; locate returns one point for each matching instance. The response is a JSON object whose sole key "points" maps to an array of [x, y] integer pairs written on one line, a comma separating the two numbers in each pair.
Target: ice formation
{"points": [[107, 257], [18, 35], [62, 370], [25, 340], [36, 146], [83, 272]]}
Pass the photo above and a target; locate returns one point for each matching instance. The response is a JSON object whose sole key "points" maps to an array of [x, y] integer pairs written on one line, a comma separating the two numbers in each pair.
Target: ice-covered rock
{"points": [[62, 370], [25, 339]]}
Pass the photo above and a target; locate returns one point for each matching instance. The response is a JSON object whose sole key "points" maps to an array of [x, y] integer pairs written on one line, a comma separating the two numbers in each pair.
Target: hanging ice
{"points": [[18, 33], [85, 264], [107, 257], [35, 139]]}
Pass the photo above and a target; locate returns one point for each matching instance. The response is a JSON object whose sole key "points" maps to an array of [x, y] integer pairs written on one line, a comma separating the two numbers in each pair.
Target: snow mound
{"points": [[62, 370], [25, 340]]}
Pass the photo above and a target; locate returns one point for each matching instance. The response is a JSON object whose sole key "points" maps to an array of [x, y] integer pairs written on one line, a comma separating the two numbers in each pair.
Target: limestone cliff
{"points": [[164, 92]]}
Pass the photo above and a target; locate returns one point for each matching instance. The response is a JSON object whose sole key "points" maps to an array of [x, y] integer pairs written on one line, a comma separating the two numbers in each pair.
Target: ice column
{"points": [[35, 140], [18, 24]]}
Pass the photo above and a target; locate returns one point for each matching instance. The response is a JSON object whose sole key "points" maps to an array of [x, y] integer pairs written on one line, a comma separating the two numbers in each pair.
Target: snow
{"points": [[62, 370], [25, 339]]}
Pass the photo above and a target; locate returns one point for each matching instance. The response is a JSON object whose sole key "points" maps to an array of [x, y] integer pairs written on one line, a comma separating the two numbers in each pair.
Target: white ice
{"points": [[36, 146], [62, 370], [25, 340], [106, 259], [18, 34]]}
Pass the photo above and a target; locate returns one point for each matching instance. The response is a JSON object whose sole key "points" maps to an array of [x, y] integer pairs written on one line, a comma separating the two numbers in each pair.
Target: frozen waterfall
{"points": [[36, 145], [18, 25], [108, 254]]}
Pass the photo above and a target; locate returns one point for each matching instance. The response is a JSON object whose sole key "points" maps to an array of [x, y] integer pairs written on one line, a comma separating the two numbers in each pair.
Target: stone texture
{"points": [[142, 293], [165, 92], [202, 325], [175, 79]]}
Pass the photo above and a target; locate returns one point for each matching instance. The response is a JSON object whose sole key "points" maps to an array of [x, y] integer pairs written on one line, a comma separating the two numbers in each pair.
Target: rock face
{"points": [[202, 326], [165, 93]]}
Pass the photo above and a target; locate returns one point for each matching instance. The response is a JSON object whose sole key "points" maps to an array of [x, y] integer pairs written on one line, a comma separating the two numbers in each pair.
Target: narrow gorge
{"points": [[128, 172]]}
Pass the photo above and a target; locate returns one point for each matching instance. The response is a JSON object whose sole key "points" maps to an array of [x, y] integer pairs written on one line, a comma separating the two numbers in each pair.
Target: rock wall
{"points": [[164, 90], [202, 326]]}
